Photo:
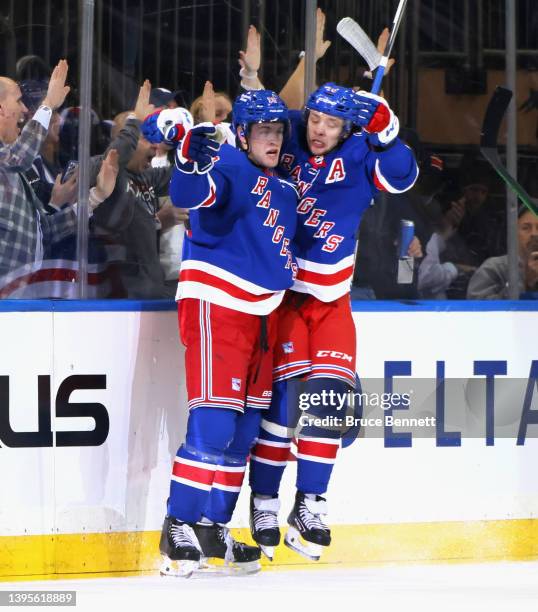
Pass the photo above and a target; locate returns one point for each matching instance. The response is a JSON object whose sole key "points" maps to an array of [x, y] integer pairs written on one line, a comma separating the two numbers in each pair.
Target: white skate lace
{"points": [[226, 537], [265, 520], [183, 535], [310, 519]]}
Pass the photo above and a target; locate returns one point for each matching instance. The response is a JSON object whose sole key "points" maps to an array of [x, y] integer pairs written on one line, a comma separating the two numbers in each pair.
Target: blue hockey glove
{"points": [[198, 148]]}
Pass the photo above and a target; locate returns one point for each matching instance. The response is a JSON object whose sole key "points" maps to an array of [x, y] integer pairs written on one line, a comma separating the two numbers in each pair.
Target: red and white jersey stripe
{"points": [[321, 450], [326, 282], [193, 473], [330, 370], [383, 184], [205, 281], [271, 453], [258, 402], [289, 370], [229, 478]]}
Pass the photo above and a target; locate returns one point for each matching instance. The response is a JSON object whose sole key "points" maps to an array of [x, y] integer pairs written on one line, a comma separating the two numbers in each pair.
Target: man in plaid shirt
{"points": [[24, 225]]}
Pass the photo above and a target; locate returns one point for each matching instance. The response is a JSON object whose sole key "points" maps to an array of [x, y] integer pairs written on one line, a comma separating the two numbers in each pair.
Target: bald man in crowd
{"points": [[25, 228]]}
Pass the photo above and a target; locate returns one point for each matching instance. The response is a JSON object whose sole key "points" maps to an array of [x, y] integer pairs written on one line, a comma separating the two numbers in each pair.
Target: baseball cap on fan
{"points": [[33, 92], [161, 96]]}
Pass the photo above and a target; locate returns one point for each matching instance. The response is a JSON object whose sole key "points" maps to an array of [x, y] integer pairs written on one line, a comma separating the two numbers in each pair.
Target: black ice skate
{"points": [[179, 547], [307, 532], [217, 543], [264, 523]]}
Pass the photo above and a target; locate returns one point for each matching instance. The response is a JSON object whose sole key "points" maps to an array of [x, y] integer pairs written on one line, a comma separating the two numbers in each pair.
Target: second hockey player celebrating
{"points": [[337, 170]]}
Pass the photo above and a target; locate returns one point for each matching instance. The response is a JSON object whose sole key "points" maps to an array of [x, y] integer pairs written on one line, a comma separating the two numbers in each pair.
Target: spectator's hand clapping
{"points": [[142, 107], [207, 110], [250, 59], [106, 179], [321, 44], [57, 90], [381, 44]]}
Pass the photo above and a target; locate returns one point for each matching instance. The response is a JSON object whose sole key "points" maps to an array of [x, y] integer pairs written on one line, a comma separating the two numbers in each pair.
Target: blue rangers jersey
{"points": [[237, 252], [334, 191]]}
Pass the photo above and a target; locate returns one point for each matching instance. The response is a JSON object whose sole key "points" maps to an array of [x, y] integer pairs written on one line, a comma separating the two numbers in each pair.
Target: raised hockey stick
{"points": [[488, 143], [380, 72], [352, 32]]}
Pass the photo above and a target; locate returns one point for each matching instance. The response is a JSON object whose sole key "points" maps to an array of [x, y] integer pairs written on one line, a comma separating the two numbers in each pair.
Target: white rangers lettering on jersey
{"points": [[265, 200], [332, 243], [261, 184], [272, 216], [303, 187], [305, 205], [285, 245], [231, 270], [294, 268], [324, 229], [278, 233], [314, 219], [289, 262]]}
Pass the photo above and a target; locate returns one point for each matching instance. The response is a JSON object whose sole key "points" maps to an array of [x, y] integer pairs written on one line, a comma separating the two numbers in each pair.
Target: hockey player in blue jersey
{"points": [[342, 151], [236, 267]]}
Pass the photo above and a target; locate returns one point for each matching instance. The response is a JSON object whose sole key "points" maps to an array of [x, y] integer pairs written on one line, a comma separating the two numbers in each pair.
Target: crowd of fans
{"points": [[135, 234]]}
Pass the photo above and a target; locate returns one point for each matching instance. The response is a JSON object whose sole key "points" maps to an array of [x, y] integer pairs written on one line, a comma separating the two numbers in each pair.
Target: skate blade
{"points": [[178, 569], [218, 567], [309, 550], [268, 551]]}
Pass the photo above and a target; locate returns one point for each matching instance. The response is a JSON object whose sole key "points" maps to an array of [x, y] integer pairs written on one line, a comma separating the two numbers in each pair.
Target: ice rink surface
{"points": [[488, 586]]}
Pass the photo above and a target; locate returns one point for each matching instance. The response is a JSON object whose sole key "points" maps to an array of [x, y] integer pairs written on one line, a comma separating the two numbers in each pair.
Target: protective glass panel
{"points": [[38, 149]]}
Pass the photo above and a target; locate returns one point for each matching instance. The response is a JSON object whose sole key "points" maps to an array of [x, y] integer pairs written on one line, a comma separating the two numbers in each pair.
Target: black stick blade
{"points": [[494, 115]]}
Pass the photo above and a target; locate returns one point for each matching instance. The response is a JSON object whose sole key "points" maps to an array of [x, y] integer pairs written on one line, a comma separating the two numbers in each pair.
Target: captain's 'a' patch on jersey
{"points": [[336, 171]]}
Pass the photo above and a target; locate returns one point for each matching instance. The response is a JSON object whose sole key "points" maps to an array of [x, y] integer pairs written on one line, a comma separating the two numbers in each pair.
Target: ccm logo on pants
{"points": [[335, 355]]}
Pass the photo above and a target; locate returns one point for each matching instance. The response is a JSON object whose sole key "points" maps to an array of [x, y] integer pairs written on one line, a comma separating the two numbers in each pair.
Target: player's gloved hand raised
{"points": [[167, 126], [199, 146], [377, 118]]}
